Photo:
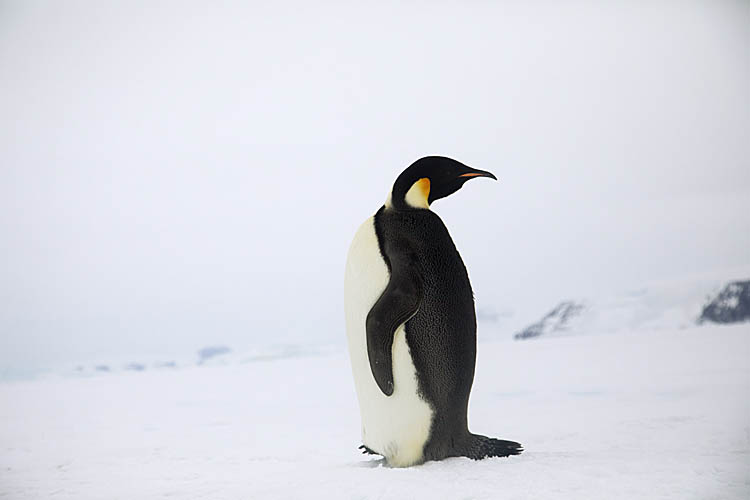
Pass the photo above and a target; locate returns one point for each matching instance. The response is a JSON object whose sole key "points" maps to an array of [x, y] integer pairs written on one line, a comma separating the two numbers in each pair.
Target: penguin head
{"points": [[429, 179]]}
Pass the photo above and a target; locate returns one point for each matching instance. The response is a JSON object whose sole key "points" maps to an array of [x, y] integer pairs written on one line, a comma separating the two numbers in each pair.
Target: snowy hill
{"points": [[663, 306], [558, 320]]}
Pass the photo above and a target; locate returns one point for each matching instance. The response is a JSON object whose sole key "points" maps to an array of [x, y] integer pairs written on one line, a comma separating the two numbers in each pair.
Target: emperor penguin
{"points": [[411, 325]]}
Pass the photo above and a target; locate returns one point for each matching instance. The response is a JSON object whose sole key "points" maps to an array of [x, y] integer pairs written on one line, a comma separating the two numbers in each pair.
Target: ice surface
{"points": [[634, 414]]}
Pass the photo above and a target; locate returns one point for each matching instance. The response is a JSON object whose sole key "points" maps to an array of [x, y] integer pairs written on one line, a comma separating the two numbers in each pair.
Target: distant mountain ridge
{"points": [[671, 306]]}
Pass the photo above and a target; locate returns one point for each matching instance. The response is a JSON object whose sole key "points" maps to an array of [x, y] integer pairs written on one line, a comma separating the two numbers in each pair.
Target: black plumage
{"points": [[429, 289]]}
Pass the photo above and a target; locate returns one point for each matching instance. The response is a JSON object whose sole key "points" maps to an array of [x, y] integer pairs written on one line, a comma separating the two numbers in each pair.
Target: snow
{"points": [[731, 302], [652, 414]]}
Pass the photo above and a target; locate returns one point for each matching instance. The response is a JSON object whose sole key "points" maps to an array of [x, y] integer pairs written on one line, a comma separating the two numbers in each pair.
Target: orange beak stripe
{"points": [[471, 174]]}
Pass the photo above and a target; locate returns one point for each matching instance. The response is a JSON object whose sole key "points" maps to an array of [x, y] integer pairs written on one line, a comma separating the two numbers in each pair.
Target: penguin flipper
{"points": [[398, 303]]}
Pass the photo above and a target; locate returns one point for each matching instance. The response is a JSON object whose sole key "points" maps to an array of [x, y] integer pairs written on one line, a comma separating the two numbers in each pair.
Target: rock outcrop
{"points": [[557, 320], [731, 305]]}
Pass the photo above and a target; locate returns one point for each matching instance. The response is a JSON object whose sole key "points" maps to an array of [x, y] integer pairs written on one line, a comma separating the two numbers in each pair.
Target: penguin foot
{"points": [[479, 447], [367, 451]]}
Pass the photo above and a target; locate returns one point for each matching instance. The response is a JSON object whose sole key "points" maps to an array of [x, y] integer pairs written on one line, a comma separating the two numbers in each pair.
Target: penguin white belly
{"points": [[398, 425]]}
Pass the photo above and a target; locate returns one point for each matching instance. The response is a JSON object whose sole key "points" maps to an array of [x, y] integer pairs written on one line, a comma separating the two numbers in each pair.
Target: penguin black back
{"points": [[445, 321]]}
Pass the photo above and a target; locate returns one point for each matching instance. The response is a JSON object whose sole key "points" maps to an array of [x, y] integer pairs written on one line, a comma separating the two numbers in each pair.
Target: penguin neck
{"points": [[415, 198]]}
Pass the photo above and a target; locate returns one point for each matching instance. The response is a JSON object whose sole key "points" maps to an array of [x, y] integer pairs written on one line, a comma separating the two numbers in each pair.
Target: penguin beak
{"points": [[479, 173]]}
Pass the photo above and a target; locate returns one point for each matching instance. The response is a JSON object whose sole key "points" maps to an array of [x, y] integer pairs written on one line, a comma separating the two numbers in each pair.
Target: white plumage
{"points": [[396, 426]]}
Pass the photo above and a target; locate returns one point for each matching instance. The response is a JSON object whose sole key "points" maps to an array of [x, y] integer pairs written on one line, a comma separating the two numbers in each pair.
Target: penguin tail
{"points": [[478, 447]]}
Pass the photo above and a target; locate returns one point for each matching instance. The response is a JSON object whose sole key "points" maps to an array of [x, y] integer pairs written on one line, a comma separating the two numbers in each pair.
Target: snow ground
{"points": [[639, 414]]}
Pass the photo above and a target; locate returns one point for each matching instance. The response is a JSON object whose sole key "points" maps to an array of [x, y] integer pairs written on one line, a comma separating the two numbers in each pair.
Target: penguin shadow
{"points": [[372, 464], [455, 461]]}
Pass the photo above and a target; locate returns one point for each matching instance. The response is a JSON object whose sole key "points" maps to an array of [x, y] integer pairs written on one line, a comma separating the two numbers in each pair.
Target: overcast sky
{"points": [[174, 175]]}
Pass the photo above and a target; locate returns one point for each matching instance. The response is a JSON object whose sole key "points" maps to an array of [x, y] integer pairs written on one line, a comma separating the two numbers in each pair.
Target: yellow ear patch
{"points": [[419, 193], [424, 185]]}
